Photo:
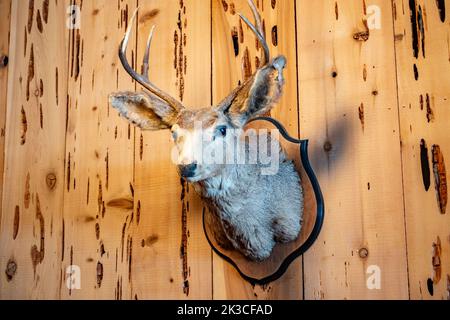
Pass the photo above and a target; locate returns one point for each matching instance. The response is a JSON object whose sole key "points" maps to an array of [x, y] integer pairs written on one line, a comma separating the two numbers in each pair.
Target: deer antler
{"points": [[259, 32], [143, 78]]}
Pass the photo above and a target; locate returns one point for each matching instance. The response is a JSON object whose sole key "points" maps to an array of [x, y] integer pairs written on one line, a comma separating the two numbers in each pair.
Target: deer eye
{"points": [[222, 131], [174, 135]]}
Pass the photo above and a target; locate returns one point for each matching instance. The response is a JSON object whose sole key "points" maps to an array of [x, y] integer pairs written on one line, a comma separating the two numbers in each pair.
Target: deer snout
{"points": [[188, 170]]}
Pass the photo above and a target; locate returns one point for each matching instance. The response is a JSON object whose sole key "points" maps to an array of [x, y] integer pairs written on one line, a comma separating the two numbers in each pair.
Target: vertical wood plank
{"points": [[98, 184], [172, 259], [31, 228], [235, 56], [423, 56], [348, 110], [5, 9]]}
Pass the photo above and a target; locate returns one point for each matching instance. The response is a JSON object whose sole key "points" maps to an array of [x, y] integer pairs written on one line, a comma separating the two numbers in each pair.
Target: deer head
{"points": [[154, 109]]}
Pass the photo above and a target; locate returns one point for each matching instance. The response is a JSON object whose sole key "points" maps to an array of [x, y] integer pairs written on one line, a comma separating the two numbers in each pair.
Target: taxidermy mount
{"points": [[249, 211]]}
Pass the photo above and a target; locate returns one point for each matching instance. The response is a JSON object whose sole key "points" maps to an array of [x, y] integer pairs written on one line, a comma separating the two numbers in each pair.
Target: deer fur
{"points": [[249, 211]]}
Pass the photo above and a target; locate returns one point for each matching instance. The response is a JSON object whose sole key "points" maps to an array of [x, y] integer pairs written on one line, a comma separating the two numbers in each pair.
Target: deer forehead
{"points": [[190, 120]]}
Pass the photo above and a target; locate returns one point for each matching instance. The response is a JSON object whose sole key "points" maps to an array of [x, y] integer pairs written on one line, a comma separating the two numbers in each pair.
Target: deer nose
{"points": [[188, 170]]}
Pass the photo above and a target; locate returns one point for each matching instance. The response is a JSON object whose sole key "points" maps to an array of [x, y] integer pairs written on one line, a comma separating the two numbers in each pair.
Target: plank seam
{"points": [[298, 125], [8, 41], [212, 101], [401, 148]]}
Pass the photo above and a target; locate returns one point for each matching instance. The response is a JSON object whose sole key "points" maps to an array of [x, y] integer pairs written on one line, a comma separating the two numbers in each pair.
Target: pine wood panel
{"points": [[172, 259], [348, 108], [424, 116], [235, 56], [98, 202], [5, 8], [82, 187], [31, 228]]}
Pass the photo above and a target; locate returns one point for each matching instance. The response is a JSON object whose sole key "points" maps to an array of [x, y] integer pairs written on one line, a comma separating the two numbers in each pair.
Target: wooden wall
{"points": [[81, 187]]}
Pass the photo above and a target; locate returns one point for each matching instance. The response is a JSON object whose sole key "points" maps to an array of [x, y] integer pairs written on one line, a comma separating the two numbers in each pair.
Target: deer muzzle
{"points": [[188, 170]]}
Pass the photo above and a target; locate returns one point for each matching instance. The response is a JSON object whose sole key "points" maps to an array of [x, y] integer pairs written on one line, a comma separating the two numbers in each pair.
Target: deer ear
{"points": [[144, 110], [258, 95]]}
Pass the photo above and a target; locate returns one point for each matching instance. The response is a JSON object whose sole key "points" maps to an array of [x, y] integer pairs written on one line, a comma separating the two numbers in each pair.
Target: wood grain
{"points": [[424, 114], [233, 59], [31, 228], [82, 187], [171, 256], [348, 109], [99, 156], [5, 8]]}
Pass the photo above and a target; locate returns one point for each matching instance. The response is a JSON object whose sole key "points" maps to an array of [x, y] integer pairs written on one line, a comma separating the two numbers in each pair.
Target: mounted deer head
{"points": [[227, 189], [154, 109]]}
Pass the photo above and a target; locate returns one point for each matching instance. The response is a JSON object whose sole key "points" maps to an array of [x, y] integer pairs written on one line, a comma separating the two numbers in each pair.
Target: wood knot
{"points": [[121, 203], [275, 36], [4, 60], [334, 74], [430, 286], [149, 15], [99, 273], [50, 180], [440, 178], [398, 37], [375, 92], [361, 36], [152, 239], [327, 146], [11, 269], [436, 261], [363, 253]]}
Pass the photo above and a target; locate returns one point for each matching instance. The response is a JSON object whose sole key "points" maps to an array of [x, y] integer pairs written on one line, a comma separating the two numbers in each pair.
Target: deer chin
{"points": [[202, 176], [196, 178], [193, 179]]}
